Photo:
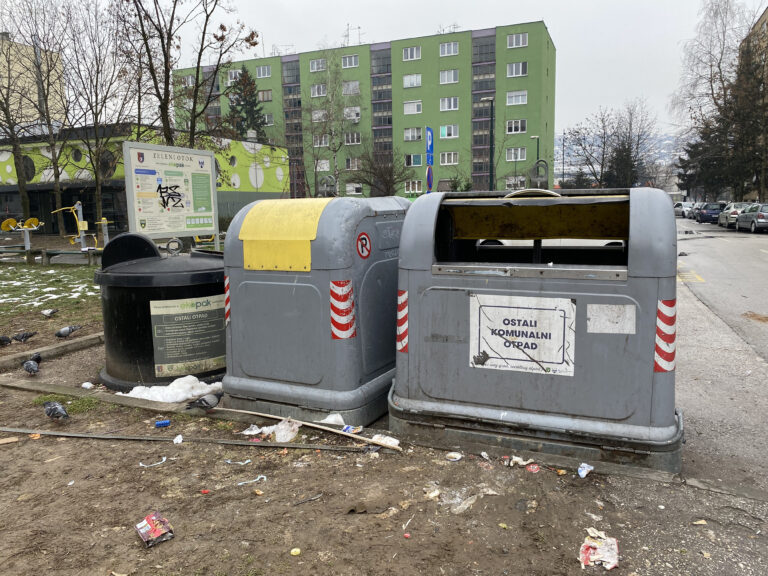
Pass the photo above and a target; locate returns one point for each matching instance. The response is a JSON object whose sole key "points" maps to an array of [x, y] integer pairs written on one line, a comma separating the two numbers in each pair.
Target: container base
{"points": [[450, 433], [362, 416]]}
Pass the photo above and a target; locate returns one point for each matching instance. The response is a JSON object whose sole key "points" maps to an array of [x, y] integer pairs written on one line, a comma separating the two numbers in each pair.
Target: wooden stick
{"points": [[196, 440], [312, 425]]}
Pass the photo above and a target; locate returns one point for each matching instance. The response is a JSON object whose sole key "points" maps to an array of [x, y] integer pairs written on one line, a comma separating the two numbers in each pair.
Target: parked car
{"points": [[729, 214], [682, 207], [710, 212], [695, 210], [753, 218]]}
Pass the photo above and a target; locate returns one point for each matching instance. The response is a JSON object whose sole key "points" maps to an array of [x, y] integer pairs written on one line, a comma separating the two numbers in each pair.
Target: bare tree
{"points": [[160, 24], [16, 115], [383, 172], [591, 143], [332, 111], [710, 60], [105, 84], [43, 26]]}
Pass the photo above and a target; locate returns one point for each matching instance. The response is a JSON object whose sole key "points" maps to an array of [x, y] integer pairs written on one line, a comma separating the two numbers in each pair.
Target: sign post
{"points": [[430, 157]]}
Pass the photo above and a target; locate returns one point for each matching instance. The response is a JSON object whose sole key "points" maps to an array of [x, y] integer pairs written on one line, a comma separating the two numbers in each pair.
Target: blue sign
{"points": [[430, 141], [429, 178], [430, 159]]}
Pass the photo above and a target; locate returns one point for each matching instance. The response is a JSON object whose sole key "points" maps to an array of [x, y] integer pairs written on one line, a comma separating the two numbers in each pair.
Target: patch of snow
{"points": [[181, 389]]}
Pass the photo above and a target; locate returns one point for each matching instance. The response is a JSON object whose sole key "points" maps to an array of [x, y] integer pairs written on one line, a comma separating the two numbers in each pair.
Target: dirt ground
{"points": [[70, 505]]}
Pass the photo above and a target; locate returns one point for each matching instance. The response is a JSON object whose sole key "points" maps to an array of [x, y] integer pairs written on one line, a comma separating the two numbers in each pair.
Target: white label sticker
{"points": [[611, 318], [524, 334]]}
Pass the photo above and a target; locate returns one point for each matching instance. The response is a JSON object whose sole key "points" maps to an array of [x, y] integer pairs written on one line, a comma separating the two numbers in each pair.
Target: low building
{"points": [[247, 171]]}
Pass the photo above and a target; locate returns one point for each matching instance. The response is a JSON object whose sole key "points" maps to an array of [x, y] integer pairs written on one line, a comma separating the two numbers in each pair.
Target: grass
{"points": [[26, 290], [73, 405]]}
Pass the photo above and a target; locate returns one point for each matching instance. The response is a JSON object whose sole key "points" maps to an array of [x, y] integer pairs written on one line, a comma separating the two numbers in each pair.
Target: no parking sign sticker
{"points": [[364, 245]]}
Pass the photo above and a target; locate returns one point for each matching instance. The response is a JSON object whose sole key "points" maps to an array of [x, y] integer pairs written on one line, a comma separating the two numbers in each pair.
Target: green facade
{"points": [[482, 74]]}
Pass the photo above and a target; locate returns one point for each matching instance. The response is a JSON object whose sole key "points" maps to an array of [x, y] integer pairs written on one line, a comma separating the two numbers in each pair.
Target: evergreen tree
{"points": [[245, 112]]}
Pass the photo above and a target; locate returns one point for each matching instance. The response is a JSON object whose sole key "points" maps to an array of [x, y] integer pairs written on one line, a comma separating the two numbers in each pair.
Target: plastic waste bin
{"points": [[541, 322], [312, 289], [163, 315]]}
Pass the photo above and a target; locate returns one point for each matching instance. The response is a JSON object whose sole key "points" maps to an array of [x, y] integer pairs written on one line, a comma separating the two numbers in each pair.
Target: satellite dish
{"points": [[8, 225]]}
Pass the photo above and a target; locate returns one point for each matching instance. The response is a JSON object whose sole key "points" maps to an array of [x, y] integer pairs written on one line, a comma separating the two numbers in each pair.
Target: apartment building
{"points": [[326, 106]]}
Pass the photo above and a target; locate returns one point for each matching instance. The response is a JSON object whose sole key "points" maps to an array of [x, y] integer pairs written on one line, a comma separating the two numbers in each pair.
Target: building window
{"points": [[449, 76], [449, 131], [317, 65], [263, 71], [354, 189], [323, 166], [351, 138], [265, 95], [449, 49], [320, 140], [352, 113], [413, 187], [412, 53], [413, 159], [515, 69], [451, 103], [189, 81], [232, 77], [412, 107], [517, 126], [517, 97], [412, 134], [318, 90], [411, 80], [350, 88], [515, 154], [319, 115], [353, 163], [449, 158], [517, 40], [350, 61], [269, 119]]}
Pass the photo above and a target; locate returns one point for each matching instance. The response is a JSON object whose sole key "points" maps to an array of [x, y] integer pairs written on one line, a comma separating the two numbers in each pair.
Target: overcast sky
{"points": [[608, 51]]}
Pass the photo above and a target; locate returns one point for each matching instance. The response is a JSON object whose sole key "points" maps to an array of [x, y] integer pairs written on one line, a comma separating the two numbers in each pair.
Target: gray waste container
{"points": [[312, 287], [541, 322]]}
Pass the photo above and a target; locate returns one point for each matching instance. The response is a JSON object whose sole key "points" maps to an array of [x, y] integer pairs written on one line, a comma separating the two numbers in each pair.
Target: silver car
{"points": [[682, 208], [729, 214], [753, 218]]}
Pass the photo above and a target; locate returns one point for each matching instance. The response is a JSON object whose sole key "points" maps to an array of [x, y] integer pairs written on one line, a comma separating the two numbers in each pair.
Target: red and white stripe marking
{"points": [[666, 331], [402, 321], [226, 299], [342, 310]]}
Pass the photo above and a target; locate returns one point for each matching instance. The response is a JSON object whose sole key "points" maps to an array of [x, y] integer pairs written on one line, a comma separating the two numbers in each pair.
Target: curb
{"points": [[53, 351]]}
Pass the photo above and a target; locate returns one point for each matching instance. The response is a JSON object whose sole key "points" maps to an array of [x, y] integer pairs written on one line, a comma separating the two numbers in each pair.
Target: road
{"points": [[723, 344], [727, 271]]}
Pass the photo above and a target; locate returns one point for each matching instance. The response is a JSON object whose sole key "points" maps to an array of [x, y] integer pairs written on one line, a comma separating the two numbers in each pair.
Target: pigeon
{"points": [[23, 336], [67, 331], [49, 312], [207, 402], [4, 341], [36, 357], [55, 410], [31, 367]]}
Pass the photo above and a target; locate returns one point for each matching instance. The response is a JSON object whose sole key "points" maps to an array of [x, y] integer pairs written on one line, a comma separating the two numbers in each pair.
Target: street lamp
{"points": [[537, 146], [491, 183]]}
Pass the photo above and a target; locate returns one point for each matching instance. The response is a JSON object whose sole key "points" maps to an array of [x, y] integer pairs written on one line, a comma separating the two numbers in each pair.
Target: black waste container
{"points": [[163, 315]]}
